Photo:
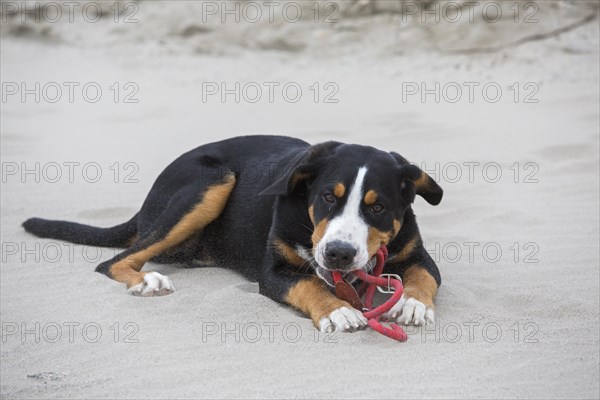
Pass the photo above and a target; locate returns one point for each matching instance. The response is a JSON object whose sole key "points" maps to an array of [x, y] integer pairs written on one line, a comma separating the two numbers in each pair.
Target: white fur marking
{"points": [[154, 284], [410, 312], [343, 319], [304, 253], [349, 226]]}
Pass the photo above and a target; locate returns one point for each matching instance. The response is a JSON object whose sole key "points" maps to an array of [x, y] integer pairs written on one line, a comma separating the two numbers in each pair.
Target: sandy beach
{"points": [[503, 115]]}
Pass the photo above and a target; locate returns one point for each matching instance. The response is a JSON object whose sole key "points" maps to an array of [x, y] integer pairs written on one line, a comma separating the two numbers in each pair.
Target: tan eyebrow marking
{"points": [[370, 197], [339, 190]]}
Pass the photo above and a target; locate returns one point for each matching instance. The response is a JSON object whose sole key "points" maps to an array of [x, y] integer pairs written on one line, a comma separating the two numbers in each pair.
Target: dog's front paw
{"points": [[410, 311], [154, 284], [343, 319]]}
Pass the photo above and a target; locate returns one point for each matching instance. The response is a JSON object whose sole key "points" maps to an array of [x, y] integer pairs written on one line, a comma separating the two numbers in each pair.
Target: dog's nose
{"points": [[339, 254]]}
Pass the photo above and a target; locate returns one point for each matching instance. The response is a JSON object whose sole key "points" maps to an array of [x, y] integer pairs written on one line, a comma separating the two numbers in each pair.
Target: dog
{"points": [[283, 213]]}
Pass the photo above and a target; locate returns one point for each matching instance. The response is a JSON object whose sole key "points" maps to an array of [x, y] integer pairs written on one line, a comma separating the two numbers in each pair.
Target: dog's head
{"points": [[357, 198]]}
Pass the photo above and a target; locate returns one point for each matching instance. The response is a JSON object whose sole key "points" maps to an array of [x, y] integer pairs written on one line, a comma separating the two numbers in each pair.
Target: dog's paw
{"points": [[410, 311], [343, 319], [154, 284]]}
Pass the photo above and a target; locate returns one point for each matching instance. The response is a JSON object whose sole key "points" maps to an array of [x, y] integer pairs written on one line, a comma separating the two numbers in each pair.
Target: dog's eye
{"points": [[377, 208], [330, 198]]}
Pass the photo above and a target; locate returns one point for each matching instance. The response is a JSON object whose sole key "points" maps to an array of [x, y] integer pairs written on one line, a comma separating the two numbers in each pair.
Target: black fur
{"points": [[277, 179], [117, 236]]}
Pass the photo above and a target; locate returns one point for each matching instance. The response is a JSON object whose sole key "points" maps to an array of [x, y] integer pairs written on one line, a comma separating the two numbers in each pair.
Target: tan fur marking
{"points": [[418, 283], [132, 240], [288, 253], [311, 214], [339, 190], [312, 297], [127, 272], [297, 178], [370, 197], [423, 181], [397, 226], [211, 206], [376, 239], [319, 231], [406, 251]]}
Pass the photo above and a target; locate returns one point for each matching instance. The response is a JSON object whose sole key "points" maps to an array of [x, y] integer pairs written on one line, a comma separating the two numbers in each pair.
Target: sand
{"points": [[517, 312]]}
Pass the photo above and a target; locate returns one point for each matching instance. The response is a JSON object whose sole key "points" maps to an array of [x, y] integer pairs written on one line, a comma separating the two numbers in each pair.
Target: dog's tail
{"points": [[117, 236]]}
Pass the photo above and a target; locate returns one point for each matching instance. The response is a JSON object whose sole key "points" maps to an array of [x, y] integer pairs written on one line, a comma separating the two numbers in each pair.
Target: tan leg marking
{"points": [[127, 271], [312, 297], [418, 283], [211, 206]]}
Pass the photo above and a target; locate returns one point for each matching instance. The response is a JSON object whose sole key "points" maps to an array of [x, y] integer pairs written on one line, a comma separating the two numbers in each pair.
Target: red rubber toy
{"points": [[370, 283]]}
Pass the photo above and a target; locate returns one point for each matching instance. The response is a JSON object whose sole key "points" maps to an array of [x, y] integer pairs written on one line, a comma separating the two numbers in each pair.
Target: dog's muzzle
{"points": [[326, 274]]}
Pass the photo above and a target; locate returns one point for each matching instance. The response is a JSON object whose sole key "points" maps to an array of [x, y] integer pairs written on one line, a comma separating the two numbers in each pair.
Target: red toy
{"points": [[345, 291]]}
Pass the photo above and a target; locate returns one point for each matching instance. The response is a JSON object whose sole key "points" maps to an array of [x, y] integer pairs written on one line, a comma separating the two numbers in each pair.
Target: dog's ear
{"points": [[424, 185], [304, 167]]}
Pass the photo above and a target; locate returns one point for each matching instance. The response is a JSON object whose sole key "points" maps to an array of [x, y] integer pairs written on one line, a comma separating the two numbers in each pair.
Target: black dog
{"points": [[279, 211]]}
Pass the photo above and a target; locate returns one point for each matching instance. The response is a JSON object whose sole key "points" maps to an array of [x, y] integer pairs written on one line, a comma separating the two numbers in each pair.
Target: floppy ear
{"points": [[303, 167], [425, 186]]}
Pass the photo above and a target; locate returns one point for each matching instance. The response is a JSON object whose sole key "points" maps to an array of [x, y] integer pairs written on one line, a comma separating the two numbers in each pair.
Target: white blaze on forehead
{"points": [[349, 226]]}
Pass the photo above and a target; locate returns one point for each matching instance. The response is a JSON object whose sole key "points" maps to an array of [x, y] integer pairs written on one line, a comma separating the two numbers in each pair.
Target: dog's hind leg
{"points": [[188, 211]]}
